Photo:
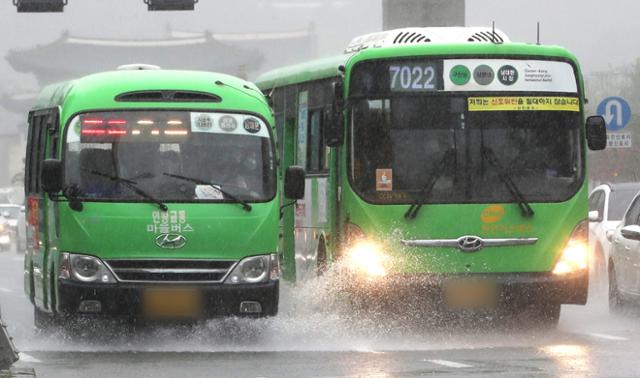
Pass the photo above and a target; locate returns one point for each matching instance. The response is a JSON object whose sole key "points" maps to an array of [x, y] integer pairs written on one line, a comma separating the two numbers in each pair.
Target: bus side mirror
{"points": [[51, 176], [596, 133], [294, 178], [334, 133]]}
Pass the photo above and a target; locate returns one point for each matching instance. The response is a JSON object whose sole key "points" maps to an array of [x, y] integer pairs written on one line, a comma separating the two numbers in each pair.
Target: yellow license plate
{"points": [[171, 303], [471, 294]]}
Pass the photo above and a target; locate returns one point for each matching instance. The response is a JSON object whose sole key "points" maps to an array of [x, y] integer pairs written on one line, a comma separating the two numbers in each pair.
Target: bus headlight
{"points": [[254, 269], [84, 268], [575, 256], [366, 259]]}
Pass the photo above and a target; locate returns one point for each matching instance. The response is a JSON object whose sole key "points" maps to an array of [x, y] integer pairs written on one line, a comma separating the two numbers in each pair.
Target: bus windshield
{"points": [[398, 143], [171, 156]]}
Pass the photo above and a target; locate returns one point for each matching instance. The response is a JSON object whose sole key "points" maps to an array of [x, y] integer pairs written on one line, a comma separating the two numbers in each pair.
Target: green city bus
{"points": [[447, 161], [151, 194]]}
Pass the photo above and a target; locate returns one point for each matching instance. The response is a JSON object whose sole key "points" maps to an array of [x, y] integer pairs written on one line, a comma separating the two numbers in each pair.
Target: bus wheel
{"points": [[616, 302], [321, 258], [43, 321]]}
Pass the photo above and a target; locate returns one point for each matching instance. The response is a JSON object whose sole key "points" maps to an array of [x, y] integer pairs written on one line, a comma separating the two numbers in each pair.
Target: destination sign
{"points": [[463, 75]]}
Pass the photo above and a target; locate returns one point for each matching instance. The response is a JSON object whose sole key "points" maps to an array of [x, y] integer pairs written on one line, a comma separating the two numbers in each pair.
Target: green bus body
{"points": [[331, 208], [214, 235]]}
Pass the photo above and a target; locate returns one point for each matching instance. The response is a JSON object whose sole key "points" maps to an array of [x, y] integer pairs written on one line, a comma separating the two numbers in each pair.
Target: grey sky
{"points": [[601, 33]]}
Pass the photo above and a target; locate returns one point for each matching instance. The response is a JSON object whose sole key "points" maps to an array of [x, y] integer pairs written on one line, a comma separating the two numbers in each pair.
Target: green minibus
{"points": [[151, 194]]}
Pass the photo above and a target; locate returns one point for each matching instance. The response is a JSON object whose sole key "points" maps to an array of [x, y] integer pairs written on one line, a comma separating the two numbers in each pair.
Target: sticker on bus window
{"points": [[532, 103], [384, 179], [201, 121], [208, 192]]}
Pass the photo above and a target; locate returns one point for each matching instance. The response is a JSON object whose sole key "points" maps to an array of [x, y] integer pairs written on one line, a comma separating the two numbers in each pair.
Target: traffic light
{"points": [[170, 5], [39, 6]]}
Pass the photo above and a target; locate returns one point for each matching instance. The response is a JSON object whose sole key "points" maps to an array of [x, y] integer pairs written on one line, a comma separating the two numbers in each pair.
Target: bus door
{"points": [[42, 142], [312, 212]]}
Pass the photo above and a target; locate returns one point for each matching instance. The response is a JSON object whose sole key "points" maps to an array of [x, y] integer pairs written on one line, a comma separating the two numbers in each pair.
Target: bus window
{"points": [[315, 142]]}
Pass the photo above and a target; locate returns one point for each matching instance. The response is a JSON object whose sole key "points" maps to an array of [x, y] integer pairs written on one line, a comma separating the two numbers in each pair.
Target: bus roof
{"points": [[314, 70], [98, 91], [327, 68]]}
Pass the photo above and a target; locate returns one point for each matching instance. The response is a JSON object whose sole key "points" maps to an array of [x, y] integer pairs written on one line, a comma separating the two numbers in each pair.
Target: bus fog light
{"points": [[250, 307], [90, 307], [366, 259]]}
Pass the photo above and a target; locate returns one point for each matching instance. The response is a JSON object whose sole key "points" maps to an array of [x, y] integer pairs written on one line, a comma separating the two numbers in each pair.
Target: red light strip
{"points": [[94, 132], [117, 132], [93, 121], [117, 122]]}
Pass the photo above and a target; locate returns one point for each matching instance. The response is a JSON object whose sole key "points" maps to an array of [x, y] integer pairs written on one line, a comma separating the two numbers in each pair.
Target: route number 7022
{"points": [[412, 78]]}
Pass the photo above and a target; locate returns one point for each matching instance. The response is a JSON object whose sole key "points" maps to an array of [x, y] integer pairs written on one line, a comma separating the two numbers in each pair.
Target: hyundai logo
{"points": [[470, 243], [171, 241]]}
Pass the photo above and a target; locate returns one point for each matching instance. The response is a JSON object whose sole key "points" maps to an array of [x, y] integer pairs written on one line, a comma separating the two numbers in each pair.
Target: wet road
{"points": [[313, 337]]}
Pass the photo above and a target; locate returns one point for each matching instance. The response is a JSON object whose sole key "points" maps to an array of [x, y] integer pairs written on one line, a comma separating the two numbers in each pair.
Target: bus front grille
{"points": [[170, 270]]}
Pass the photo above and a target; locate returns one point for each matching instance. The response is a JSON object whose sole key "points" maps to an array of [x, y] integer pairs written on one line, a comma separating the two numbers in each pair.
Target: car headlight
{"points": [[84, 268], [255, 269], [366, 259], [575, 255], [13, 222]]}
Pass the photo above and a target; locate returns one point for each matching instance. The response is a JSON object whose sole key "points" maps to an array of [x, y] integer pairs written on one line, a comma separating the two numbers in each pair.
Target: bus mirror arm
{"points": [[285, 206], [72, 192]]}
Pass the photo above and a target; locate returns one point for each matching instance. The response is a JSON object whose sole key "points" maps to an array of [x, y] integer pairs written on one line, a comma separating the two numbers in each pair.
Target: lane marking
{"points": [[608, 337], [27, 358], [369, 351], [5, 290], [451, 364]]}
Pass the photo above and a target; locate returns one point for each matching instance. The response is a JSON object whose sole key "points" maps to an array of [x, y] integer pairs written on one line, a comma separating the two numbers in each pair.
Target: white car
{"points": [[607, 204], [624, 260]]}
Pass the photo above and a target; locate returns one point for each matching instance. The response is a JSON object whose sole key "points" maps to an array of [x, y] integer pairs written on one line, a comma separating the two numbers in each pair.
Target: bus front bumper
{"points": [[145, 300], [511, 290]]}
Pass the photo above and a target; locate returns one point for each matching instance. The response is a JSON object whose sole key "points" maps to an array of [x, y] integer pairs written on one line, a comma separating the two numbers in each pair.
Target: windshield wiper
{"points": [[425, 192], [131, 185], [490, 157], [218, 187]]}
